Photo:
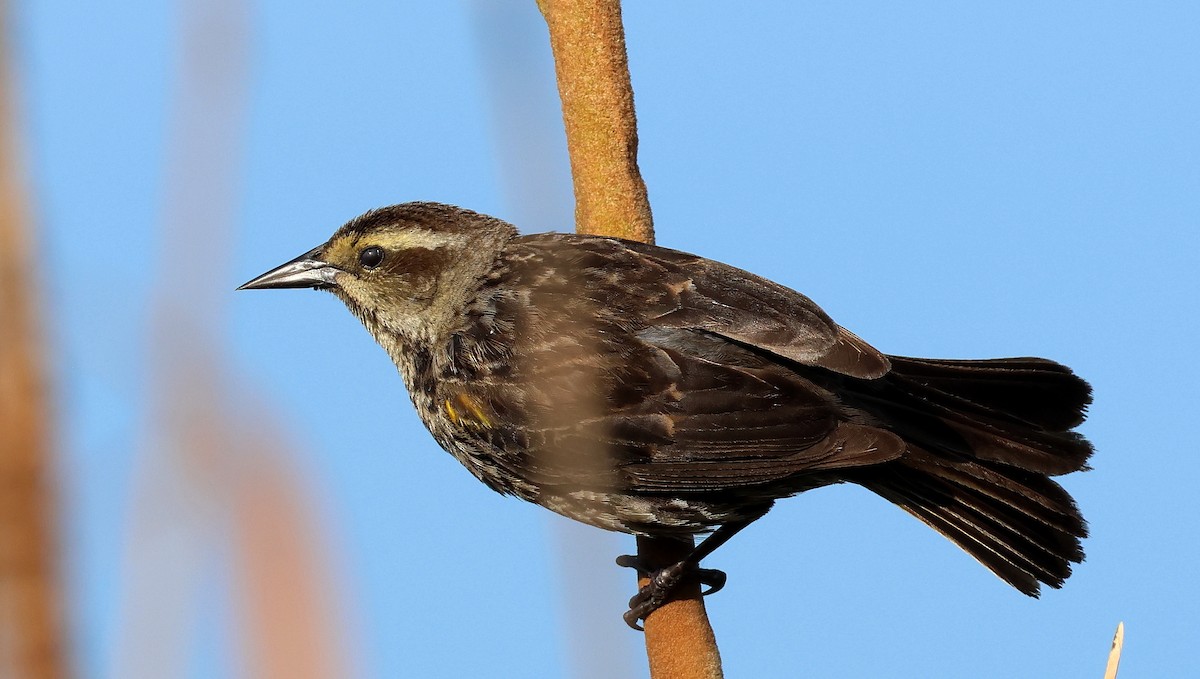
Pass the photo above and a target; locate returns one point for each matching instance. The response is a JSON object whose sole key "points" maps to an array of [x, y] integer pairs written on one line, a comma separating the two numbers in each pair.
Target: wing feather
{"points": [[691, 386], [757, 312]]}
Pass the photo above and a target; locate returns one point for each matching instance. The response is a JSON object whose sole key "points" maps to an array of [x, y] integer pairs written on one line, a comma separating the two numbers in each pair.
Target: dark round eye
{"points": [[371, 257]]}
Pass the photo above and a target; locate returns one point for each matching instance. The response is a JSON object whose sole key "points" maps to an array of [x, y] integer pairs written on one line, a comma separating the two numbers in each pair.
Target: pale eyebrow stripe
{"points": [[414, 239]]}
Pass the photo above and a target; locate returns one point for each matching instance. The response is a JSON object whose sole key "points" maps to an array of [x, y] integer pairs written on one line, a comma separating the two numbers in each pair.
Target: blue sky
{"points": [[945, 179]]}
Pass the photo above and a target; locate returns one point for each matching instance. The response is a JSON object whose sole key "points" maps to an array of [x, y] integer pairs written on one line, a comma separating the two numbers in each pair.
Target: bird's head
{"points": [[405, 270]]}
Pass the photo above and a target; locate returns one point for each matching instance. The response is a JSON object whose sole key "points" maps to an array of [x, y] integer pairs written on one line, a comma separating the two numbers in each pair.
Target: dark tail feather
{"points": [[984, 437], [1015, 411], [1036, 391], [1022, 526]]}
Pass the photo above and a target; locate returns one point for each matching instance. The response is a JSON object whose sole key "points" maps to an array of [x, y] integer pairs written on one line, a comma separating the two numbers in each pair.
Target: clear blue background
{"points": [[945, 179]]}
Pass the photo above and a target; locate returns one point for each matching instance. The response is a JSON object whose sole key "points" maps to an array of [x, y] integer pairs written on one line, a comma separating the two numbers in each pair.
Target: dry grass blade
{"points": [[1114, 655]]}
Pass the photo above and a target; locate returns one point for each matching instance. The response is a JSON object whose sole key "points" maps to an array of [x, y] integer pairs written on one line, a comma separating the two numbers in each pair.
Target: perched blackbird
{"points": [[649, 391]]}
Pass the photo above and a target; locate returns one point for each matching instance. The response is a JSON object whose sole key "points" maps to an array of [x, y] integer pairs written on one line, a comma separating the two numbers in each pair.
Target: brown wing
{"points": [[735, 424], [650, 370], [754, 311]]}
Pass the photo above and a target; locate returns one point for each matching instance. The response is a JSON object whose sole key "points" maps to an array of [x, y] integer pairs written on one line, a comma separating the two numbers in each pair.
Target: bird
{"points": [[645, 390]]}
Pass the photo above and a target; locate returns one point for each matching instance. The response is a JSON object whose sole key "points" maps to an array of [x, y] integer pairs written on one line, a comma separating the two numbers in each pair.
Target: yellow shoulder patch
{"points": [[466, 411], [450, 411]]}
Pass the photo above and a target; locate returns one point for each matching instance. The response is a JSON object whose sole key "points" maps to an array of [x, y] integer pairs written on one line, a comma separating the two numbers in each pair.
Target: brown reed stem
{"points": [[588, 41]]}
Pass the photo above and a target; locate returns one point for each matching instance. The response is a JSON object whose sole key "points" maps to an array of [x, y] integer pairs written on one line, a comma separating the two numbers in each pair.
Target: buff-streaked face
{"points": [[400, 268]]}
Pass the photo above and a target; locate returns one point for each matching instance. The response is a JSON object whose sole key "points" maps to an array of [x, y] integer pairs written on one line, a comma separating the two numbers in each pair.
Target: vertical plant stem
{"points": [[31, 623], [588, 42], [597, 100], [536, 182], [680, 643], [221, 479]]}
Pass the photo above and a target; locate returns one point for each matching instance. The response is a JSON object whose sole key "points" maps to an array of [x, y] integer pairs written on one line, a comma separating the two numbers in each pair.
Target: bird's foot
{"points": [[663, 583]]}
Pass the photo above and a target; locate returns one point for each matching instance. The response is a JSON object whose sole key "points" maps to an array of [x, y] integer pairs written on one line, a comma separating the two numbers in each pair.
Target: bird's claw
{"points": [[711, 578], [663, 583]]}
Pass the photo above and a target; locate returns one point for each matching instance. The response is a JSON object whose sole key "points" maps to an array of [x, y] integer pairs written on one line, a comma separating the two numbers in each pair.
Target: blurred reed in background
{"points": [[220, 505], [32, 642]]}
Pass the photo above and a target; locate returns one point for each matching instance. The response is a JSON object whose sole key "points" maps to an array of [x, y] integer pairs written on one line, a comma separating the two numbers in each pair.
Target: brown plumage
{"points": [[646, 390]]}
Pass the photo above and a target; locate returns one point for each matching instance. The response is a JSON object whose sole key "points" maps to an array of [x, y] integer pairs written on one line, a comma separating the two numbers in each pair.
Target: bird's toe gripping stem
{"points": [[663, 583]]}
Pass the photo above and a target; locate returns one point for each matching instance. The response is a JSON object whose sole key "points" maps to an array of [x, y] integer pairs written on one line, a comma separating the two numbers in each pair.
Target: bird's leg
{"points": [[664, 581]]}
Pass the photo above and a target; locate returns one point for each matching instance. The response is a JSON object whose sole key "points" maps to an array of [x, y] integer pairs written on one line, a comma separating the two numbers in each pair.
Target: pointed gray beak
{"points": [[305, 271]]}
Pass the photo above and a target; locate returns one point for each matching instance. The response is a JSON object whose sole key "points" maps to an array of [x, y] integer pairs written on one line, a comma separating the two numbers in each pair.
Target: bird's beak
{"points": [[305, 271]]}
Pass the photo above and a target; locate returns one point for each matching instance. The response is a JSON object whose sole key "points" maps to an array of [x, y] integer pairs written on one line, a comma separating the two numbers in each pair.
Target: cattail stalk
{"points": [[588, 41]]}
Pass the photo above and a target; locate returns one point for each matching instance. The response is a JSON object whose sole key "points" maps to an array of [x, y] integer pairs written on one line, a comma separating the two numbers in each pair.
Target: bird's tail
{"points": [[984, 438]]}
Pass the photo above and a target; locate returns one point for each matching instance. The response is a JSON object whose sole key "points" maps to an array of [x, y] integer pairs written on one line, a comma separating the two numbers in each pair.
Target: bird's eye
{"points": [[371, 257]]}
